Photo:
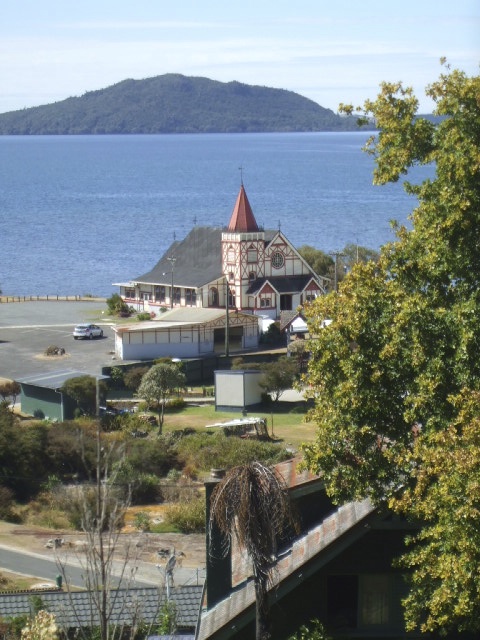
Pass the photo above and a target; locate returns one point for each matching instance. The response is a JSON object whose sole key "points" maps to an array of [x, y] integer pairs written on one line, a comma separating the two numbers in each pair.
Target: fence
{"points": [[50, 298]]}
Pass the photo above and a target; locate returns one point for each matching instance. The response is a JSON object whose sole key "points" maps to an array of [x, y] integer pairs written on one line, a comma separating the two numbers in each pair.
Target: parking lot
{"points": [[28, 328]]}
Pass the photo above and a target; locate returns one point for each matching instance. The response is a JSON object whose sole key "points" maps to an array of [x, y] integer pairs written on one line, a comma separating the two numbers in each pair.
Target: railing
{"points": [[50, 298]]}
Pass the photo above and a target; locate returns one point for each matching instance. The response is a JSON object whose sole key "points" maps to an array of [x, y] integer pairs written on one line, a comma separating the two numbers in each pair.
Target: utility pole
{"points": [[172, 264], [227, 319], [336, 254]]}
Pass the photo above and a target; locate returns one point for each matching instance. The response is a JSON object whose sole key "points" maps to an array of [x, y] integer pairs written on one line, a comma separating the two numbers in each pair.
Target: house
{"points": [[75, 609], [187, 333], [337, 569], [41, 394], [243, 267]]}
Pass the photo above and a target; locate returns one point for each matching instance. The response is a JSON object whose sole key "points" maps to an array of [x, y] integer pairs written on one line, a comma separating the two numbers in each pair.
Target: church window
{"points": [[252, 255], [278, 260], [251, 276], [231, 275], [231, 254]]}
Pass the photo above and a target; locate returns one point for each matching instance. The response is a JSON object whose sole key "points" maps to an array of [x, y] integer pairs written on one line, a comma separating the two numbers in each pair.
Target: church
{"points": [[241, 267]]}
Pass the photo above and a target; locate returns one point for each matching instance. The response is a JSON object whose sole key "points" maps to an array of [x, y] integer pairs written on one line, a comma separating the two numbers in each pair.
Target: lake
{"points": [[78, 213]]}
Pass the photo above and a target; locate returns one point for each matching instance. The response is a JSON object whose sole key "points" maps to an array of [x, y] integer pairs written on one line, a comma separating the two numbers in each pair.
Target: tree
{"points": [[9, 391], [133, 377], [41, 627], [83, 389], [117, 305], [403, 344], [279, 376], [445, 554], [102, 509], [251, 505], [319, 261], [158, 385]]}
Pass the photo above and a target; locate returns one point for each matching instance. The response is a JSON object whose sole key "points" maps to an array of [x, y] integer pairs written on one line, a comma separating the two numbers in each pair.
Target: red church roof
{"points": [[242, 218]]}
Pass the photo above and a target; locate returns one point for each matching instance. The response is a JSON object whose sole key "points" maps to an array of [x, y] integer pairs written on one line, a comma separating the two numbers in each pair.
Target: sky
{"points": [[330, 51]]}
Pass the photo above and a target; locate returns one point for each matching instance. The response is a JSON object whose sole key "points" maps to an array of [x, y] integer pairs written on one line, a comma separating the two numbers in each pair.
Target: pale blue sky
{"points": [[331, 51]]}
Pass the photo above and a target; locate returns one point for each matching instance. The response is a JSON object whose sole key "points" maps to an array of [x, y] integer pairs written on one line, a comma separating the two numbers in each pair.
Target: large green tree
{"points": [[401, 354]]}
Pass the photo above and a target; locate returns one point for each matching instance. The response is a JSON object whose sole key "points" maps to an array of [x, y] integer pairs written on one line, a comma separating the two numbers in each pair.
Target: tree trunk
{"points": [[262, 614]]}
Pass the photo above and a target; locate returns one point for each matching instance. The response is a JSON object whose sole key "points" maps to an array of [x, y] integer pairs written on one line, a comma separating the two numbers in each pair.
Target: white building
{"points": [[261, 271]]}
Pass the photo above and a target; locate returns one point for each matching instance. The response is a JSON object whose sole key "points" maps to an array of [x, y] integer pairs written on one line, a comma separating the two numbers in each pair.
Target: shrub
{"points": [[133, 377], [53, 350], [182, 490], [175, 404], [216, 450], [187, 517], [117, 306], [144, 315], [142, 521]]}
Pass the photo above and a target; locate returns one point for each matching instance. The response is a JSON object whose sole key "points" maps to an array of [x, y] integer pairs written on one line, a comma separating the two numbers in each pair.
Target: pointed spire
{"points": [[242, 218]]}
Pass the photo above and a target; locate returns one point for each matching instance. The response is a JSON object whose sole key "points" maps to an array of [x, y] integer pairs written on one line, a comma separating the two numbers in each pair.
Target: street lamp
{"points": [[172, 265]]}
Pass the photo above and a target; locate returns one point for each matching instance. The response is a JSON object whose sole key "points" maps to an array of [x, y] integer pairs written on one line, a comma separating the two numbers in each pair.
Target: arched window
{"points": [[231, 254]]}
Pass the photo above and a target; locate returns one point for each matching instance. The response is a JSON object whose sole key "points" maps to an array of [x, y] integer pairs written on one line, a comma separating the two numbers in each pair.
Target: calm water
{"points": [[78, 213]]}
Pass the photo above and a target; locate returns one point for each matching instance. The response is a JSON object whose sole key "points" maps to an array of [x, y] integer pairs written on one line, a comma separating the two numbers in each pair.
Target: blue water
{"points": [[78, 213]]}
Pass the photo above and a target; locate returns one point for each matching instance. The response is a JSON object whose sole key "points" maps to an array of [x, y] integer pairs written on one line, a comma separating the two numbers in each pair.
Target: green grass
{"points": [[289, 428]]}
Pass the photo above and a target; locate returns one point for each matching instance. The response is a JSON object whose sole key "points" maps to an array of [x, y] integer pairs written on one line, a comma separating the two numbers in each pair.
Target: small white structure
{"points": [[237, 390], [186, 333]]}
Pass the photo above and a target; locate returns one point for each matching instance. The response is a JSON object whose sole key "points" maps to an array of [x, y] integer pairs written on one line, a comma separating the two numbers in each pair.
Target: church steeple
{"points": [[242, 219]]}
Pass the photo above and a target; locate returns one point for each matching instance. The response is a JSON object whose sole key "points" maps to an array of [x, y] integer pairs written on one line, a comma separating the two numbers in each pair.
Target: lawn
{"points": [[289, 427]]}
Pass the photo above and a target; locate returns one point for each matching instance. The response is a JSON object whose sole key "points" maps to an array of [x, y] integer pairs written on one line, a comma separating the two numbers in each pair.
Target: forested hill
{"points": [[174, 103]]}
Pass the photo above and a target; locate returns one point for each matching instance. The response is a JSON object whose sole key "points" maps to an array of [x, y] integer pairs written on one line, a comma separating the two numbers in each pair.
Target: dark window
{"points": [[190, 297], [342, 601]]}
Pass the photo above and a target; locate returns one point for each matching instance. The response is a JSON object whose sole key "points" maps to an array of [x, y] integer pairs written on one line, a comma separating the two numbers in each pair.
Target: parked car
{"points": [[87, 331]]}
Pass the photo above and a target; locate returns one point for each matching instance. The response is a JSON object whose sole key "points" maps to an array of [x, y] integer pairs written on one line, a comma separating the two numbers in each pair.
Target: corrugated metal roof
{"points": [[56, 379], [183, 317]]}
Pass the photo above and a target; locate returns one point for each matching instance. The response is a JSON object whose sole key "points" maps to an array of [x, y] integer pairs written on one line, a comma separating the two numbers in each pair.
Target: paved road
{"points": [[45, 569], [28, 328]]}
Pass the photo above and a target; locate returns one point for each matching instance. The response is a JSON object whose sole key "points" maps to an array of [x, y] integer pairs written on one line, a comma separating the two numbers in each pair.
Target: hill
{"points": [[173, 103]]}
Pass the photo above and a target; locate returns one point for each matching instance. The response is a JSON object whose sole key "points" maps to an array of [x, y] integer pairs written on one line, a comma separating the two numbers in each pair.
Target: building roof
{"points": [[242, 219], [56, 379], [143, 604], [197, 260], [288, 284], [185, 316]]}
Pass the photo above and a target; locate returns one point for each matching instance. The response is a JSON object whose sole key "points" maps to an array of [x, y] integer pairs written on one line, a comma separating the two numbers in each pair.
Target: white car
{"points": [[87, 331]]}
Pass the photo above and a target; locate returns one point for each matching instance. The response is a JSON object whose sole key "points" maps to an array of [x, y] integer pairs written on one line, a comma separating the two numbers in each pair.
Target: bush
{"points": [[133, 377], [53, 350], [216, 450], [181, 490], [144, 315], [187, 517], [175, 404], [117, 306], [142, 521]]}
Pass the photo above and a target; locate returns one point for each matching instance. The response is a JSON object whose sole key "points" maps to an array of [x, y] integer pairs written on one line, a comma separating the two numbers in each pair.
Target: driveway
{"points": [[28, 328]]}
